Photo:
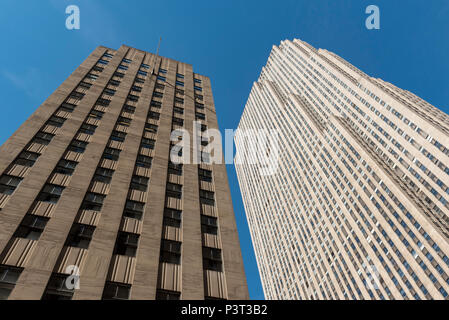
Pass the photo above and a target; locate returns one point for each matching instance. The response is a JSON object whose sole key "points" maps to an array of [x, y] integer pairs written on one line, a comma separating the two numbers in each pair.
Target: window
{"points": [[151, 127], [98, 68], [111, 154], [160, 86], [119, 74], [172, 217], [212, 259], [145, 66], [174, 190], [203, 127], [178, 110], [114, 83], [8, 278], [108, 55], [154, 115], [143, 161], [167, 295], [142, 73], [129, 109], [126, 244], [179, 83], [27, 158], [207, 197], [205, 175], [43, 138], [126, 60], [96, 114], [158, 94], [156, 104], [148, 143], [31, 227], [200, 116], [199, 97], [66, 167], [88, 129], [109, 92], [50, 193], [139, 183], [103, 102], [209, 225], [198, 88], [77, 95], [77, 146], [164, 71], [179, 100], [139, 80], [57, 288], [199, 105], [92, 76], [170, 251], [133, 209], [175, 169], [123, 121], [67, 107], [122, 67], [93, 201], [178, 121], [118, 136], [161, 78], [136, 88], [80, 236], [181, 76], [103, 175], [179, 91], [116, 291], [101, 61], [197, 80], [9, 183], [133, 97]]}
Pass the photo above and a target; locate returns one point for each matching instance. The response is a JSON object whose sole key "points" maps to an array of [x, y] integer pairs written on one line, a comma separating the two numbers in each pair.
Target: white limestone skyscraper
{"points": [[358, 208]]}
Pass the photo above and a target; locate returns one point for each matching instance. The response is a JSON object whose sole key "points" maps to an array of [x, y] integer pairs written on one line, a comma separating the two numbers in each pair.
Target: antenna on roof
{"points": [[157, 54], [158, 46]]}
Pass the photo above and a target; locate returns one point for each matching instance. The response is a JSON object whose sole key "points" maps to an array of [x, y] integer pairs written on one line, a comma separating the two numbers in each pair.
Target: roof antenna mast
{"points": [[157, 54]]}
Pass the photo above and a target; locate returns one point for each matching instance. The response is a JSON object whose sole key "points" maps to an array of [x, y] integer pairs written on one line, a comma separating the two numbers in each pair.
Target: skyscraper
{"points": [[358, 208], [91, 207]]}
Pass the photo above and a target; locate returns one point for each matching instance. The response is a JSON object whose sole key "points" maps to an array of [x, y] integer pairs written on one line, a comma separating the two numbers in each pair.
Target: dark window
{"points": [[209, 225], [66, 167], [103, 175], [197, 80], [161, 78], [126, 60], [151, 127], [180, 83], [80, 236], [199, 97], [133, 97], [96, 114], [139, 183], [116, 291], [198, 88], [170, 251], [68, 107], [101, 61], [27, 158], [179, 91], [203, 127], [103, 102], [133, 209], [164, 71], [57, 288], [142, 73], [158, 94], [145, 66], [205, 175], [136, 88], [172, 217], [126, 244], [167, 295], [129, 109], [200, 116], [154, 115], [148, 143], [111, 154], [78, 146], [179, 100], [85, 85], [92, 76], [122, 67], [8, 278], [50, 193], [98, 68], [156, 104], [43, 138], [108, 55], [88, 129], [114, 83], [119, 74], [93, 201], [144, 161], [212, 259], [178, 121], [9, 183], [118, 136], [31, 227], [139, 80], [174, 190], [174, 168], [207, 197], [159, 86], [181, 76], [199, 105], [77, 95], [124, 121], [178, 110]]}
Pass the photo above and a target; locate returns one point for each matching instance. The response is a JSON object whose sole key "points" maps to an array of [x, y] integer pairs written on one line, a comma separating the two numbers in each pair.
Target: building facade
{"points": [[358, 208], [91, 207]]}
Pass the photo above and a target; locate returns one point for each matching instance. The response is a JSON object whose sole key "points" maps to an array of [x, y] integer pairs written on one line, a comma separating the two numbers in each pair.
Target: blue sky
{"points": [[227, 40]]}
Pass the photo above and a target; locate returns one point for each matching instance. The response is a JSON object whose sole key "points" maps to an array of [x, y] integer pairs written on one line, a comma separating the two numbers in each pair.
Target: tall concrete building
{"points": [[91, 207], [358, 208]]}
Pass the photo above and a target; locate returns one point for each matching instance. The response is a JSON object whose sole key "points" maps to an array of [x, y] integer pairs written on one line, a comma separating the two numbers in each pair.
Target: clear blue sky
{"points": [[227, 40]]}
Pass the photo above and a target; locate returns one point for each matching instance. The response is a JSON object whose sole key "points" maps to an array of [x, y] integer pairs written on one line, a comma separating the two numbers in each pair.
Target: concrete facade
{"points": [[83, 188], [358, 208]]}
